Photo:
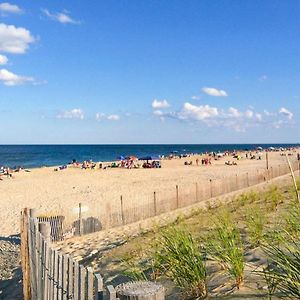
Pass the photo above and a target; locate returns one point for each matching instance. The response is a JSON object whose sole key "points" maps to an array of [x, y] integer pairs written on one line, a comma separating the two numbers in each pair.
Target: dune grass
{"points": [[255, 222], [224, 245], [179, 258], [221, 234]]}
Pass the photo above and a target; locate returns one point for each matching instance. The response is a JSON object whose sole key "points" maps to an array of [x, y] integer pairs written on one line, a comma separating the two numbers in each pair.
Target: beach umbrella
{"points": [[132, 157], [259, 148], [121, 157]]}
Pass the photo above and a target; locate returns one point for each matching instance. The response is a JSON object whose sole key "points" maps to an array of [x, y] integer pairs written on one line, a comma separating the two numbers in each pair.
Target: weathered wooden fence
{"points": [[127, 209], [49, 274]]}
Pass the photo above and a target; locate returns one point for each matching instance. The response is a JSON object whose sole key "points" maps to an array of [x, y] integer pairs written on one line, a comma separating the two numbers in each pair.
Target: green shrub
{"points": [[225, 246], [179, 258]]}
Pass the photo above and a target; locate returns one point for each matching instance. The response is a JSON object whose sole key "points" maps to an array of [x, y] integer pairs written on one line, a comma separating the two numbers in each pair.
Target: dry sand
{"points": [[49, 191]]}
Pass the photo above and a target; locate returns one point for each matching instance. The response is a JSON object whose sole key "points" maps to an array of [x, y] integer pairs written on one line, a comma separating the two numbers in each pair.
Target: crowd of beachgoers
{"points": [[230, 158]]}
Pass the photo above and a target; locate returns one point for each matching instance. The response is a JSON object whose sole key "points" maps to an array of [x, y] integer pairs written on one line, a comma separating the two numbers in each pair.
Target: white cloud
{"points": [[10, 79], [61, 17], [201, 112], [10, 8], [235, 113], [160, 104], [102, 116], [113, 117], [286, 113], [258, 116], [75, 113], [214, 92], [158, 113], [14, 39], [3, 60], [195, 97], [249, 113]]}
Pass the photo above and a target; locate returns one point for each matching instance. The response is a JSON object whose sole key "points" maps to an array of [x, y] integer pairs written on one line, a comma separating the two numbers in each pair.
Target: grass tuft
{"points": [[225, 246], [255, 222], [179, 258]]}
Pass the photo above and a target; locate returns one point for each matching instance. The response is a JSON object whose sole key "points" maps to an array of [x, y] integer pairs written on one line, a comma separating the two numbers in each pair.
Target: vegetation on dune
{"points": [[274, 197], [179, 258], [224, 245], [255, 221], [268, 220]]}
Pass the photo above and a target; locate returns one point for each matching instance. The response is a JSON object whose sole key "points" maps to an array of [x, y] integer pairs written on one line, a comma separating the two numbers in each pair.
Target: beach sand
{"points": [[50, 191]]}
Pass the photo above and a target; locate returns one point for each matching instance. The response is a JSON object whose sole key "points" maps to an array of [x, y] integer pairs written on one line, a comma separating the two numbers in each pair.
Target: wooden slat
{"points": [[76, 280], [90, 284], [60, 276], [55, 290], [98, 287], [70, 276], [65, 276], [82, 282], [49, 285]]}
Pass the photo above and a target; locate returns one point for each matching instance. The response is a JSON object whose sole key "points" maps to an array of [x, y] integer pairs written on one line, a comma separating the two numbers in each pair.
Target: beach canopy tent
{"points": [[121, 157], [149, 158], [259, 148]]}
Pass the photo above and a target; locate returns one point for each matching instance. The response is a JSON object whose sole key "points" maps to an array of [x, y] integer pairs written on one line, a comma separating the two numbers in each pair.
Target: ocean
{"points": [[32, 156]]}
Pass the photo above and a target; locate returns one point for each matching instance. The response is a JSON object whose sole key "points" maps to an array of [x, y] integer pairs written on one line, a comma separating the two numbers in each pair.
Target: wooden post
{"points": [[211, 190], [293, 176], [32, 212], [140, 290], [247, 179], [267, 160], [154, 203], [80, 219], [122, 210], [98, 287], [25, 254], [177, 197]]}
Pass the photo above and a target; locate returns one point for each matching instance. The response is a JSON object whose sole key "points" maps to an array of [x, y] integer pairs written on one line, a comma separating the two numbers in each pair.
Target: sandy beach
{"points": [[50, 191]]}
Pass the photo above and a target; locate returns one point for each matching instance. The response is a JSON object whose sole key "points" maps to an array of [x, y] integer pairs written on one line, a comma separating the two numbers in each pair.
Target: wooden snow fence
{"points": [[48, 273]]}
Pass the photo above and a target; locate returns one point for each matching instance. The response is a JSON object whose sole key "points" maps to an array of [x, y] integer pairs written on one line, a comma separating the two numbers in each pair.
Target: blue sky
{"points": [[149, 71]]}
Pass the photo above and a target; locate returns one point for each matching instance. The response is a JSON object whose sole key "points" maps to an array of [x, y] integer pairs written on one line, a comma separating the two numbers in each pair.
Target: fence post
{"points": [[177, 197], [272, 173], [211, 191], [25, 254], [80, 219], [154, 203], [122, 210]]}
